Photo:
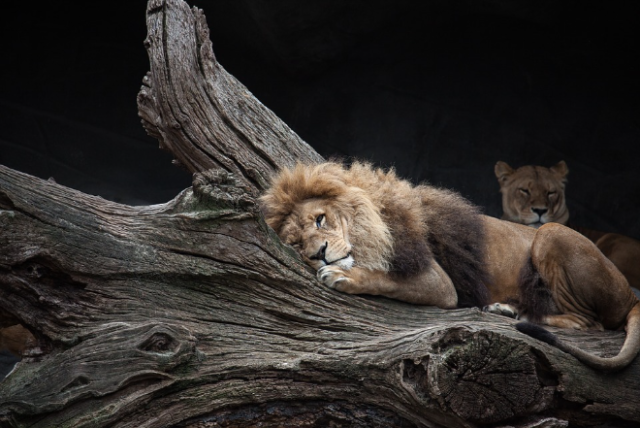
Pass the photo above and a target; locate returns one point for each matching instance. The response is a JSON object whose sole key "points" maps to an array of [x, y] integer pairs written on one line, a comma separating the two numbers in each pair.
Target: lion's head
{"points": [[322, 212], [533, 195]]}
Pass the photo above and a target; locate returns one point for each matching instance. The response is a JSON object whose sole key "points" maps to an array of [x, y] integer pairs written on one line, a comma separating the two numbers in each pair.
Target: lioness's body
{"points": [[534, 195], [368, 232]]}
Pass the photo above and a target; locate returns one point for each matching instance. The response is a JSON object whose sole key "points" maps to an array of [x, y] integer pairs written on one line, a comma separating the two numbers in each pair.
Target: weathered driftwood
{"points": [[193, 314]]}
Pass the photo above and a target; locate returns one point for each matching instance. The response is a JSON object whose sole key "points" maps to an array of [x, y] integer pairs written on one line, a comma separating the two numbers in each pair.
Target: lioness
{"points": [[534, 195], [16, 339], [368, 232]]}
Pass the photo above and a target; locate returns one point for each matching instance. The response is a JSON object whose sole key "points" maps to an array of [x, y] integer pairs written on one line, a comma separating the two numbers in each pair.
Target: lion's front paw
{"points": [[335, 277], [331, 275], [502, 309]]}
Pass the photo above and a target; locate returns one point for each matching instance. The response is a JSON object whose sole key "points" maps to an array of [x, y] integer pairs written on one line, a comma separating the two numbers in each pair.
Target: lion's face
{"points": [[533, 195], [324, 213], [319, 233]]}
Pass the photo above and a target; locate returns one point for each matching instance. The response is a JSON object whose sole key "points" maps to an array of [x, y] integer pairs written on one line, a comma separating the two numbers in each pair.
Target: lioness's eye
{"points": [[319, 220], [525, 191], [551, 194]]}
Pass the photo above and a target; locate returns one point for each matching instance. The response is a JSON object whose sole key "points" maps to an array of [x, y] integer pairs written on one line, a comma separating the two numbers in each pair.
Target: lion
{"points": [[366, 231], [535, 195]]}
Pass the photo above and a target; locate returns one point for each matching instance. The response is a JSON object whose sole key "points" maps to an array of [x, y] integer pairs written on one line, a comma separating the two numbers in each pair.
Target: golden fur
{"points": [[533, 195], [368, 232]]}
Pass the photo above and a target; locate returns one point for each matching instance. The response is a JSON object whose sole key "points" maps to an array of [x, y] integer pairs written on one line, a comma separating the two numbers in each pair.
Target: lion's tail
{"points": [[628, 352]]}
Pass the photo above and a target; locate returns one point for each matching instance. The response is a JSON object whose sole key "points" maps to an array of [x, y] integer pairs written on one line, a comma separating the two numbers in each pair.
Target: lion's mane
{"points": [[393, 225]]}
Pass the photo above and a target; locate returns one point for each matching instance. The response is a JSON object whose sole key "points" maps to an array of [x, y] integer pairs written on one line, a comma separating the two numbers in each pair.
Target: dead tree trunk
{"points": [[193, 314]]}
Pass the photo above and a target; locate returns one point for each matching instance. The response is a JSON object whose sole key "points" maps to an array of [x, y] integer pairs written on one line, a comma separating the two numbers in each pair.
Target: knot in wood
{"points": [[481, 377], [159, 342], [213, 176], [35, 270], [219, 187], [42, 272]]}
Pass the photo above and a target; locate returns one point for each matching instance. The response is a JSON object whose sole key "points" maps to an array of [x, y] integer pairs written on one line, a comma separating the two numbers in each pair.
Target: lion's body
{"points": [[396, 229], [368, 232], [534, 195]]}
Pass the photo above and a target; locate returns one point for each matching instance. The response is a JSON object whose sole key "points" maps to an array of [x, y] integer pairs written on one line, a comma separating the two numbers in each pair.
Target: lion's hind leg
{"points": [[574, 321], [587, 290], [534, 301]]}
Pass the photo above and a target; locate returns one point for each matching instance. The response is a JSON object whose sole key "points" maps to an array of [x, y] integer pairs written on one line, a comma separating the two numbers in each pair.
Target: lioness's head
{"points": [[328, 220], [533, 195]]}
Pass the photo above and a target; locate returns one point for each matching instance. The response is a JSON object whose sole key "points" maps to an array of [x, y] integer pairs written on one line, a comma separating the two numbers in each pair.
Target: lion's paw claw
{"points": [[502, 309]]}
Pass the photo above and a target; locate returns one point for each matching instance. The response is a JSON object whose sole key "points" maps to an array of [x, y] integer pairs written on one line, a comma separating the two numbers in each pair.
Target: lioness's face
{"points": [[319, 234], [533, 195]]}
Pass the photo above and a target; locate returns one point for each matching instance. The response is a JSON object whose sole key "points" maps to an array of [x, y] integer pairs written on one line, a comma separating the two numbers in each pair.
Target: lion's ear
{"points": [[560, 169], [502, 171]]}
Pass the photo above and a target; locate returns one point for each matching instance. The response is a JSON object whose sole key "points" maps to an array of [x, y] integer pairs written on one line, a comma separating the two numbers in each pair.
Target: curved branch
{"points": [[201, 113]]}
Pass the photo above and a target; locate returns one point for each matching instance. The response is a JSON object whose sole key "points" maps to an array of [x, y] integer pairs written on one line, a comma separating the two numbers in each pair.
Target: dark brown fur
{"points": [[456, 236], [536, 301]]}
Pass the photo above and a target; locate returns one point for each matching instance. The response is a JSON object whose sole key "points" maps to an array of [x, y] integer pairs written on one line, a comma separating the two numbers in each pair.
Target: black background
{"points": [[439, 89]]}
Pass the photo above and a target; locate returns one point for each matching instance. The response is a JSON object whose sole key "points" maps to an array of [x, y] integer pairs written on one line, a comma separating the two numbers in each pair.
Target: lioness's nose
{"points": [[539, 211]]}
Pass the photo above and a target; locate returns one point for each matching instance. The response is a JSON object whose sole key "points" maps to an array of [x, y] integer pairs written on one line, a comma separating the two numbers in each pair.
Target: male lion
{"points": [[534, 195], [368, 232]]}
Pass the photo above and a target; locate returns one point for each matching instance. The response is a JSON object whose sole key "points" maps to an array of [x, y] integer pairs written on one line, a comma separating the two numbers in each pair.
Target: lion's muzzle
{"points": [[321, 254], [345, 262]]}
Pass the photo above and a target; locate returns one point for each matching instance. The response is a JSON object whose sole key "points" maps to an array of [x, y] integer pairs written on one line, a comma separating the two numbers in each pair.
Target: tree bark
{"points": [[193, 313]]}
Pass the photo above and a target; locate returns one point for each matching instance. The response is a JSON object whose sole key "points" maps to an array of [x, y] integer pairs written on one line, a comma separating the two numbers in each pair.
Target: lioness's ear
{"points": [[560, 169], [502, 171]]}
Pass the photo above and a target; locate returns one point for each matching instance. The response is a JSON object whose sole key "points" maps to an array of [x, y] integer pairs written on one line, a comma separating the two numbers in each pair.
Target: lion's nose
{"points": [[322, 252]]}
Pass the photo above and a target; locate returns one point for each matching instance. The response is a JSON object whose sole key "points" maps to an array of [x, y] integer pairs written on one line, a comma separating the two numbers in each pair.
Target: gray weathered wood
{"points": [[201, 113], [193, 314]]}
